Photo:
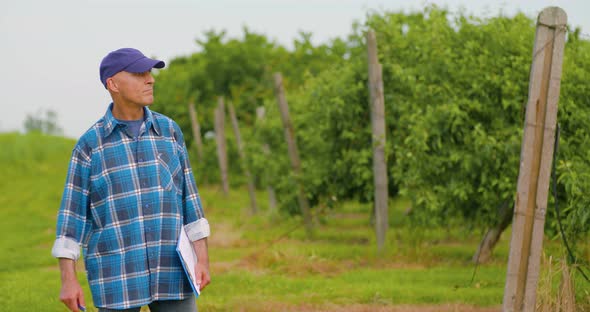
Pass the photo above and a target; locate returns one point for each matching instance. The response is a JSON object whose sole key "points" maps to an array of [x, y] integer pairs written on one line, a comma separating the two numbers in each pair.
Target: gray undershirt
{"points": [[132, 127]]}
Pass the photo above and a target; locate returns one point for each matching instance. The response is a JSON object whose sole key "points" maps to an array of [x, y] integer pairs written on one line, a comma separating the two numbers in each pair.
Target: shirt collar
{"points": [[110, 122]]}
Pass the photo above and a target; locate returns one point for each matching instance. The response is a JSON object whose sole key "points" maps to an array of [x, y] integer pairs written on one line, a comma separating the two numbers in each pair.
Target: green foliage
{"points": [[573, 159], [331, 115], [241, 71], [44, 124], [452, 109], [455, 89]]}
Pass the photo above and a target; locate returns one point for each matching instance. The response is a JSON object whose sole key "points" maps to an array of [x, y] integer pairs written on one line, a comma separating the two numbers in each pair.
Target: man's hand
{"points": [[202, 266], [71, 293], [203, 277]]}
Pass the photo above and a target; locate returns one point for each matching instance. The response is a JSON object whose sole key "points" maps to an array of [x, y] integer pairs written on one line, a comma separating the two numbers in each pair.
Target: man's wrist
{"points": [[201, 250], [68, 269], [68, 277]]}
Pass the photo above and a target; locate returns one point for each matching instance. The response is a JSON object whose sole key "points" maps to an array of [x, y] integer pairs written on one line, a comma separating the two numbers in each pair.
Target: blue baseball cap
{"points": [[126, 59]]}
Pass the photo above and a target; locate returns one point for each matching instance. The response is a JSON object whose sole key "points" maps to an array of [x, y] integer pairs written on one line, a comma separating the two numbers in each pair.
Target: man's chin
{"points": [[148, 102]]}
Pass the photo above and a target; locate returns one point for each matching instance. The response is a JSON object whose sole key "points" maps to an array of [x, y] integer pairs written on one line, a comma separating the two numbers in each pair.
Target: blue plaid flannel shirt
{"points": [[124, 202]]}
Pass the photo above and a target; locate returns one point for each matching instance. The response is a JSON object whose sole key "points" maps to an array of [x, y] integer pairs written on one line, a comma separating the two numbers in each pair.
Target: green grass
{"points": [[262, 262], [386, 286]]}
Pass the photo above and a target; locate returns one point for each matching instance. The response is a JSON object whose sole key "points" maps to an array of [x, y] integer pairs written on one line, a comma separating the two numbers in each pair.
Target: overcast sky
{"points": [[51, 50]]}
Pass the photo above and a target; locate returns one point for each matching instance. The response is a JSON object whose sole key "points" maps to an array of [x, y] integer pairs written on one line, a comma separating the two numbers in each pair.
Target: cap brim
{"points": [[143, 65]]}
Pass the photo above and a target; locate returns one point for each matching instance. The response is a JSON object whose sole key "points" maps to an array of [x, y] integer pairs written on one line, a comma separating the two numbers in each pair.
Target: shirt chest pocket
{"points": [[169, 172]]}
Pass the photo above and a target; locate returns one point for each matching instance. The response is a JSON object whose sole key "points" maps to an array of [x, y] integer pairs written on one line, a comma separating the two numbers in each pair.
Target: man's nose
{"points": [[150, 79]]}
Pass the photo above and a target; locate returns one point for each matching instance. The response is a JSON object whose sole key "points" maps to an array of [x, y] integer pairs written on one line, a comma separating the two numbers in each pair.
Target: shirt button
{"points": [[140, 159]]}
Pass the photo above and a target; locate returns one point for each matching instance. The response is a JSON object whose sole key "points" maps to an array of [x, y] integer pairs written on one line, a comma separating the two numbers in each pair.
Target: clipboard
{"points": [[188, 258]]}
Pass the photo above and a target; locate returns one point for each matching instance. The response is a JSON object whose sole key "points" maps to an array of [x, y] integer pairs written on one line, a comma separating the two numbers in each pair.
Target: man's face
{"points": [[135, 88]]}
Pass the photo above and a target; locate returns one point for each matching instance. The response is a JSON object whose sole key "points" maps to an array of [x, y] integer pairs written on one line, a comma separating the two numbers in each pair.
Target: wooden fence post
{"points": [[378, 126], [196, 130], [535, 162], [245, 167], [220, 140], [272, 197], [293, 153]]}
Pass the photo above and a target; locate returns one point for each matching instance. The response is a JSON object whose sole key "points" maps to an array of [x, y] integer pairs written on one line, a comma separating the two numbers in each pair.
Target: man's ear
{"points": [[112, 85]]}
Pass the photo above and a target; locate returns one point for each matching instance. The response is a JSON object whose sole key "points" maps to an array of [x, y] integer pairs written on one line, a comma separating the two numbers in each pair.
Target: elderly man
{"points": [[128, 192]]}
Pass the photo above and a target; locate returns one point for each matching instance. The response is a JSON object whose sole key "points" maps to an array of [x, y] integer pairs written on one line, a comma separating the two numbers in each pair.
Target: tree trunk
{"points": [[242, 154], [221, 148], [196, 130], [489, 241], [522, 274], [381, 195], [272, 197], [293, 153]]}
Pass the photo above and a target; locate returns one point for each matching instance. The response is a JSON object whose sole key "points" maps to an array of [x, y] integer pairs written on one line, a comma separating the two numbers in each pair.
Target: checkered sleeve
{"points": [[71, 219], [196, 226]]}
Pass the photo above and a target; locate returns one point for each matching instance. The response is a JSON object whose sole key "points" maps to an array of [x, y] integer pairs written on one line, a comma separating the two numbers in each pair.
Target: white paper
{"points": [[188, 258]]}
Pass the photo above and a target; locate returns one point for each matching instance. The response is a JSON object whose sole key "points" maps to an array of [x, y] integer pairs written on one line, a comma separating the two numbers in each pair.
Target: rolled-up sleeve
{"points": [[195, 224], [71, 219]]}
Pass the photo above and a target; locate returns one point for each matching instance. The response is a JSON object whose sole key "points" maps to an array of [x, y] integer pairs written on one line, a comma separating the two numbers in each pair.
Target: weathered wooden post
{"points": [[378, 125], [272, 197], [293, 153], [535, 162], [220, 140], [196, 130], [242, 154]]}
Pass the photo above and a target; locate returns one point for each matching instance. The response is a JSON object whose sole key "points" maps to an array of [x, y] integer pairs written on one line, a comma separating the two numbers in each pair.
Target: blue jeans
{"points": [[186, 305]]}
